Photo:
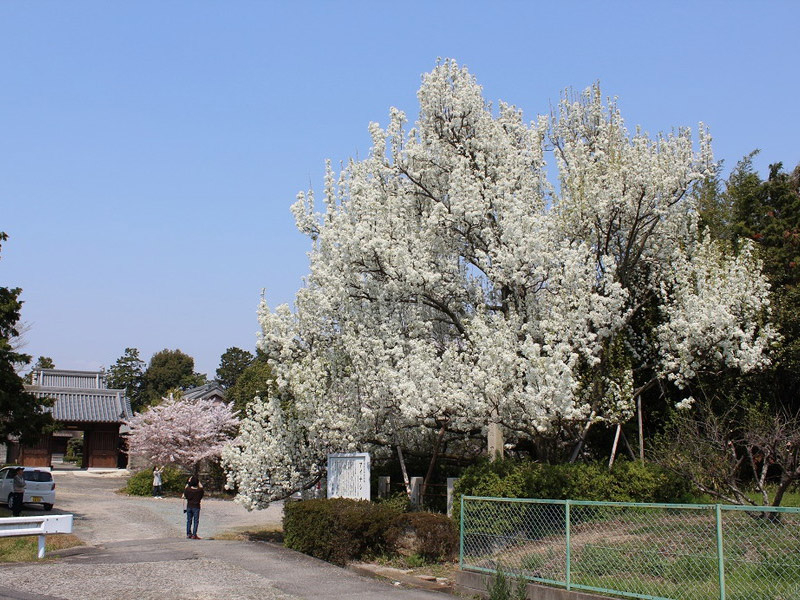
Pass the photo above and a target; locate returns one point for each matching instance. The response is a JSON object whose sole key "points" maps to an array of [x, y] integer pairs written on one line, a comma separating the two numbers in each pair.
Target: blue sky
{"points": [[149, 151]]}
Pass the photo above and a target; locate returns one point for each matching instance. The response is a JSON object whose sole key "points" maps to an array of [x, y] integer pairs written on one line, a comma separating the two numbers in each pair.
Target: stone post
{"points": [[383, 486], [416, 488], [451, 492]]}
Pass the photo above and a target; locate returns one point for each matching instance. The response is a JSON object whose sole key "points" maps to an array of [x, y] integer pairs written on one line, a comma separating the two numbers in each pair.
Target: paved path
{"points": [[138, 551]]}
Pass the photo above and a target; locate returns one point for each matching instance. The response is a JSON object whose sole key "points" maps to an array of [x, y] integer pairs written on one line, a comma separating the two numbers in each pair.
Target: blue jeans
{"points": [[192, 520]]}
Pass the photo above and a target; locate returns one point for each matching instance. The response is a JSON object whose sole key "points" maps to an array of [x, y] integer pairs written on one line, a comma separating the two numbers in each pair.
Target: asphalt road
{"points": [[103, 515], [137, 550]]}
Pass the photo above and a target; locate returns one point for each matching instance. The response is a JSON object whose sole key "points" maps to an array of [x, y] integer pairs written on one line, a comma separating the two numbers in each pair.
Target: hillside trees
{"points": [[455, 289]]}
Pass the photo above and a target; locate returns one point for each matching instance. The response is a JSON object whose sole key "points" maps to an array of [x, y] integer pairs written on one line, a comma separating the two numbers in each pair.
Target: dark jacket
{"points": [[193, 496]]}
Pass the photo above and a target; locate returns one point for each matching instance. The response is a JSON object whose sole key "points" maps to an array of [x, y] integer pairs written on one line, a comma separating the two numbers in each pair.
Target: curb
{"points": [[397, 577]]}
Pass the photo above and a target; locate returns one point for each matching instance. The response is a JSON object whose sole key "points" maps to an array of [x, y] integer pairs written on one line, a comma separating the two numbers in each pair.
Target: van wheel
{"points": [[48, 506]]}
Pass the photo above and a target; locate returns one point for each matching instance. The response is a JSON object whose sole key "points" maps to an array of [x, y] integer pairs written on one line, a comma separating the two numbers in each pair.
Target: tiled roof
{"points": [[87, 406], [208, 390], [61, 378]]}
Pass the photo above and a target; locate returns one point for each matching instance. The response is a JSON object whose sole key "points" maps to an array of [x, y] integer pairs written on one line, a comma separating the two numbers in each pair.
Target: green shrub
{"points": [[501, 587], [626, 482], [431, 535], [399, 501], [141, 484], [74, 450], [337, 530]]}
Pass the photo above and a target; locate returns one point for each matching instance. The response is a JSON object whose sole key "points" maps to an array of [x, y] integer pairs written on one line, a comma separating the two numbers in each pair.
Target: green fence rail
{"points": [[652, 551]]}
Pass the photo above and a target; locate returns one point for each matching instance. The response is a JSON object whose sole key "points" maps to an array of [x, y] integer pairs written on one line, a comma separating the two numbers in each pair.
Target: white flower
{"points": [[451, 280]]}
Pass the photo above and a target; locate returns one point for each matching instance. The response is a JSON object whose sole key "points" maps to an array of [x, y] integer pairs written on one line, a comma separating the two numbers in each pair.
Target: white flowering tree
{"points": [[455, 288], [182, 432]]}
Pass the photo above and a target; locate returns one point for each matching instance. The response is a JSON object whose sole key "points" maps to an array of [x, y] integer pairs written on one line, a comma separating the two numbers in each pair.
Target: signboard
{"points": [[348, 475]]}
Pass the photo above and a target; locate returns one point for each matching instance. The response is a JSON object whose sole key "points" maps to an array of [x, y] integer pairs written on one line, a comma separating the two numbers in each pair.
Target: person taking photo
{"points": [[193, 492]]}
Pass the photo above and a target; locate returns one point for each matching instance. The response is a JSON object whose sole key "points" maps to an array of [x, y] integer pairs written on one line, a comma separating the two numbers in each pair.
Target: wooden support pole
{"points": [[614, 448], [641, 432]]}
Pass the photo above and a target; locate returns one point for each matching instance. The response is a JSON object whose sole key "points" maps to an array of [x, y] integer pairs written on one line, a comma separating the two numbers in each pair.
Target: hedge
{"points": [[173, 481], [627, 481], [340, 530], [429, 535], [337, 530]]}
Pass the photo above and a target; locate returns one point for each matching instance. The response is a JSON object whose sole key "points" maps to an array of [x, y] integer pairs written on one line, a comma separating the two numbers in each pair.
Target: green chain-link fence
{"points": [[655, 551]]}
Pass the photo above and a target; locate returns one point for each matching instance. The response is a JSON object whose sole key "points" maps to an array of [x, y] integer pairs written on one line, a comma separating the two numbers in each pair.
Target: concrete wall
{"points": [[474, 584]]}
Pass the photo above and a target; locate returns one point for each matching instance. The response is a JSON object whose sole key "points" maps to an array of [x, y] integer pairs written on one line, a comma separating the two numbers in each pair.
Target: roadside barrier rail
{"points": [[649, 551], [38, 526]]}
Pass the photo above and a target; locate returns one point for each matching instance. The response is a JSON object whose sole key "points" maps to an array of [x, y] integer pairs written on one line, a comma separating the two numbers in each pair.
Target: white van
{"points": [[39, 486]]}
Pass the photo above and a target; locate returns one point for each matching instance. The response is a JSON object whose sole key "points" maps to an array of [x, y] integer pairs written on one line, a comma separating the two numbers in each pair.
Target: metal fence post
{"points": [[569, 549], [720, 555], [461, 535]]}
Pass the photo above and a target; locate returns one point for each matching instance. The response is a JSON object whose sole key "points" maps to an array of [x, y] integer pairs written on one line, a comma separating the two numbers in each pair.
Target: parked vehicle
{"points": [[39, 489]]}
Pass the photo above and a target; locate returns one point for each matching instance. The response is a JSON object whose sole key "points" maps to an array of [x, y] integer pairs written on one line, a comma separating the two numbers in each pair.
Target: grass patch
{"points": [[24, 549]]}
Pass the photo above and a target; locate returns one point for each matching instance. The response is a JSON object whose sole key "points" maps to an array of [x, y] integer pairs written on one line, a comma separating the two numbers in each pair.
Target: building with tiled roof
{"points": [[208, 391], [82, 402]]}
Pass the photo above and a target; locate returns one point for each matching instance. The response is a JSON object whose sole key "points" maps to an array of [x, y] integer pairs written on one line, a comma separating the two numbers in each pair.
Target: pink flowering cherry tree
{"points": [[182, 432]]}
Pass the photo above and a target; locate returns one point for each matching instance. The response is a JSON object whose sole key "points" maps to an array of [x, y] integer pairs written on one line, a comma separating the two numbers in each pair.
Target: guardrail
{"points": [[38, 526], [648, 551]]}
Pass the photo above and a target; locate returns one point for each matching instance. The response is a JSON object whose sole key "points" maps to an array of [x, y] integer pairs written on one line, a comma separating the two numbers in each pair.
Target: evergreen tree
{"points": [[128, 374], [232, 364], [21, 414], [256, 380], [768, 214], [169, 369], [43, 362]]}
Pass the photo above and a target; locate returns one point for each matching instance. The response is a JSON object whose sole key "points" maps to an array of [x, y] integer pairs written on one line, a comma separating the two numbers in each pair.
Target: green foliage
{"points": [[74, 450], [22, 413], [768, 214], [43, 362], [399, 501], [415, 561], [255, 380], [626, 482], [128, 374], [434, 534], [169, 369], [501, 587], [337, 530], [232, 364], [141, 484]]}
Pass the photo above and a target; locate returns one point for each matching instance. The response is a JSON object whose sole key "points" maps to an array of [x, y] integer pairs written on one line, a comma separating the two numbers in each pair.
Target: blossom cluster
{"points": [[182, 432], [452, 282]]}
